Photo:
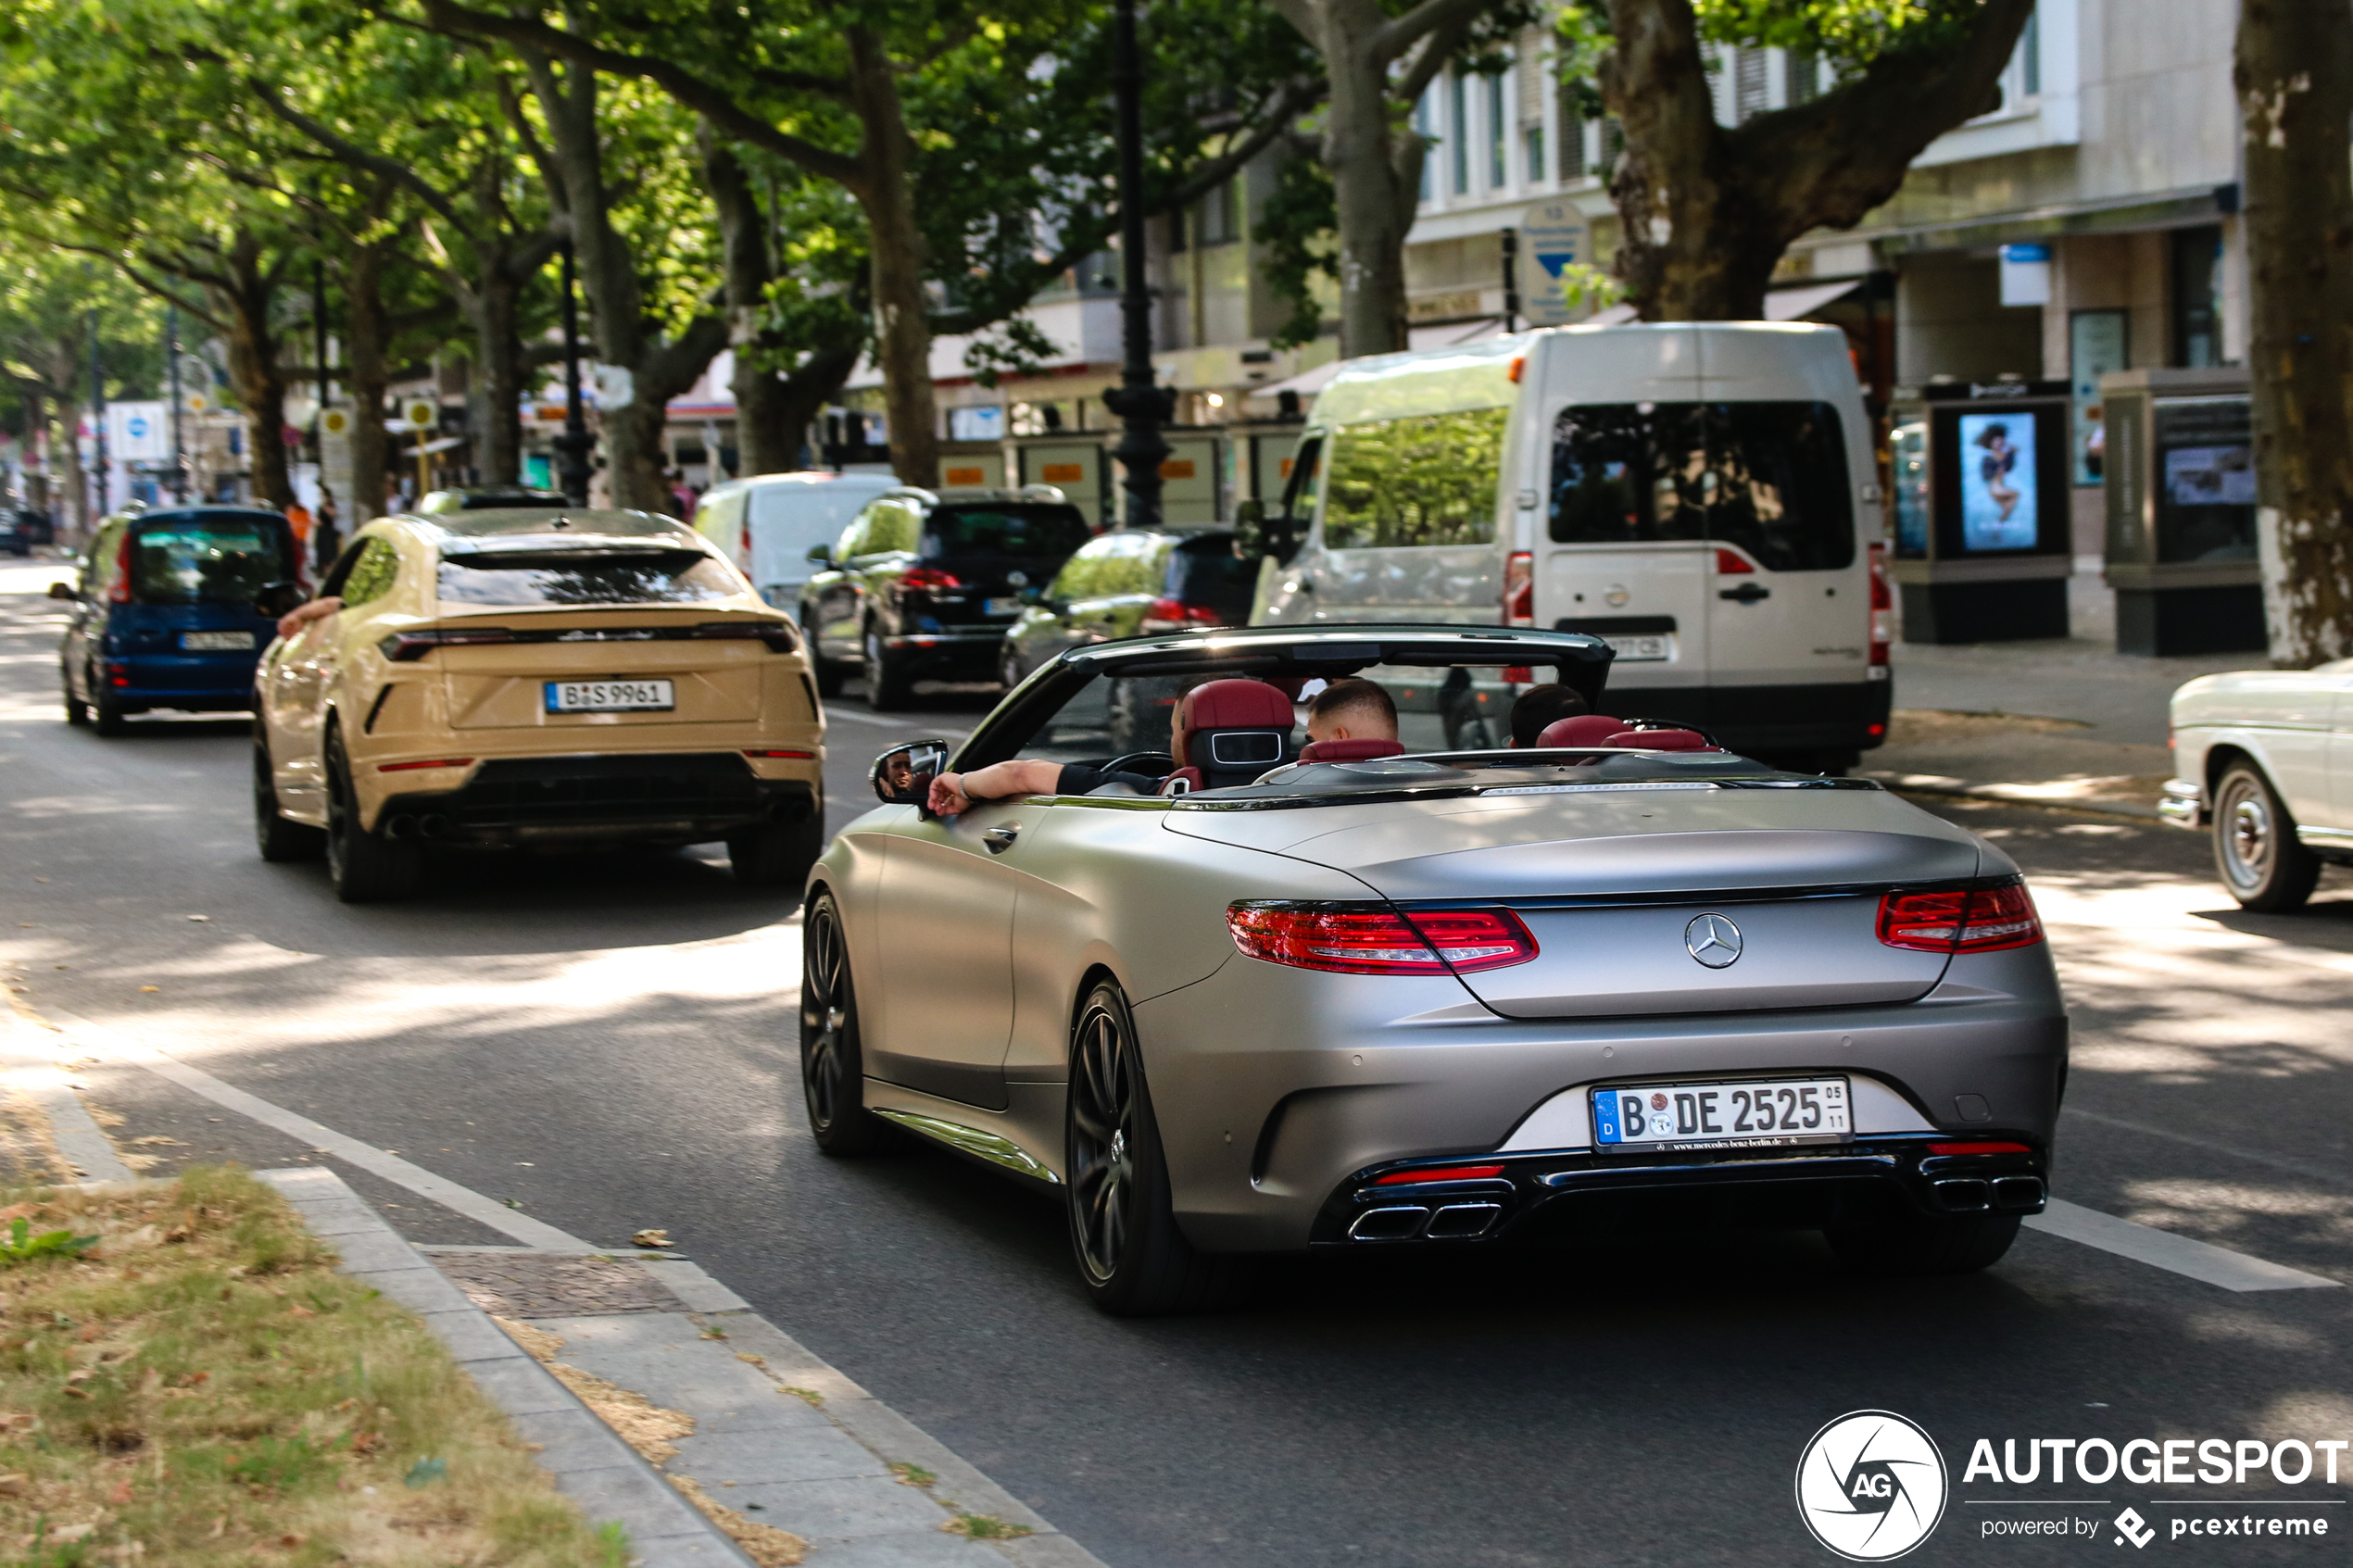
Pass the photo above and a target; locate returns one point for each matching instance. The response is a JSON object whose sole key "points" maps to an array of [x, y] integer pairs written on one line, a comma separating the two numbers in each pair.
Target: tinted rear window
{"points": [[208, 559], [1031, 532], [1769, 477], [605, 577], [1205, 571]]}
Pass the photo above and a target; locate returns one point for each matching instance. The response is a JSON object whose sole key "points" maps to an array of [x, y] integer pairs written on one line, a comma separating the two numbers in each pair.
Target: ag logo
{"points": [[1871, 1486]]}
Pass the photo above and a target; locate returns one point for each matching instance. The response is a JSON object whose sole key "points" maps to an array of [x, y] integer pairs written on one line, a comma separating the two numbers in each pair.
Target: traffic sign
{"points": [[421, 413], [1555, 235]]}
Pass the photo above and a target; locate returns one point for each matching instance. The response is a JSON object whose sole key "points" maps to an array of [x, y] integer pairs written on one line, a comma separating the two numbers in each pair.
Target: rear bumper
{"points": [[198, 683], [1836, 716], [1581, 1196], [956, 651], [2183, 803], [679, 797]]}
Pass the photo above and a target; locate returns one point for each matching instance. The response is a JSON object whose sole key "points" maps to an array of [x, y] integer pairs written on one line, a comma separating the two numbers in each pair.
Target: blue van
{"points": [[172, 609]]}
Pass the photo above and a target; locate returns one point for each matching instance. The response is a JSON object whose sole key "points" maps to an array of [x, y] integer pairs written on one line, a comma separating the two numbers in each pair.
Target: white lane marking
{"points": [[102, 1041], [33, 1069], [833, 713], [2177, 1254]]}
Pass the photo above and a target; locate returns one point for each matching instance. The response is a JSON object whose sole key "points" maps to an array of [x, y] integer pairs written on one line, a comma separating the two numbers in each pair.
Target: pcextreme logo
{"points": [[1871, 1486]]}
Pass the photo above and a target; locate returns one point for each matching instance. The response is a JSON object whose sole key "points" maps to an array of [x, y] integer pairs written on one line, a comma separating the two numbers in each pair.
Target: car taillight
{"points": [[1375, 939], [121, 593], [776, 751], [1882, 607], [777, 635], [436, 762], [1442, 1173], [406, 647], [1519, 589], [1978, 1148], [1955, 920], [1176, 615], [930, 577], [1732, 563]]}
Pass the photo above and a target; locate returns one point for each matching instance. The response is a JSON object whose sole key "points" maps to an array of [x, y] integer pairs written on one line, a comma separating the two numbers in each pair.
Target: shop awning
{"points": [[1796, 304]]}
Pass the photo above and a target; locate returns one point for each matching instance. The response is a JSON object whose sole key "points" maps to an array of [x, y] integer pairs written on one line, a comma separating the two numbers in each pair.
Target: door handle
{"points": [[1001, 839], [1747, 593]]}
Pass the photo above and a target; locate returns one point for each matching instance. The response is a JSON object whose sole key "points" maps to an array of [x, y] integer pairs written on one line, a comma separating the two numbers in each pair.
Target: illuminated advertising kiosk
{"points": [[1983, 550], [2179, 471]]}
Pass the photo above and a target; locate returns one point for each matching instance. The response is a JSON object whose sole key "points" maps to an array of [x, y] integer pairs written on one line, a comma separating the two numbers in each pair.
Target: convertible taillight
{"points": [[1955, 920], [1375, 939], [929, 577]]}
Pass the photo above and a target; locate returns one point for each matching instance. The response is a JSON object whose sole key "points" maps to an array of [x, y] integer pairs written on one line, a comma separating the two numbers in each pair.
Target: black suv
{"points": [[922, 585]]}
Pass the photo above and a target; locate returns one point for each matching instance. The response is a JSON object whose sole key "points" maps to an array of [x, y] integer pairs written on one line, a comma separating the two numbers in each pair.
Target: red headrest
{"points": [[1582, 729], [1661, 740], [1227, 705], [1350, 750]]}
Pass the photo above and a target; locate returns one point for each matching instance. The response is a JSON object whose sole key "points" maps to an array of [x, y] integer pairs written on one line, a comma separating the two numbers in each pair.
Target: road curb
{"points": [[595, 1469], [31, 1064], [2011, 795]]}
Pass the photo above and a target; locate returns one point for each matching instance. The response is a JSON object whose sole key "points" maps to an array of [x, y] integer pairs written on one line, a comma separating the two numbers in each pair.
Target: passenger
{"points": [[1538, 706], [1352, 710], [303, 615]]}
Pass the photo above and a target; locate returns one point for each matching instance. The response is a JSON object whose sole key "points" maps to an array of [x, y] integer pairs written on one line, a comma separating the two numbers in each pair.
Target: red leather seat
{"points": [[1349, 750], [1661, 740], [1227, 732], [1582, 729]]}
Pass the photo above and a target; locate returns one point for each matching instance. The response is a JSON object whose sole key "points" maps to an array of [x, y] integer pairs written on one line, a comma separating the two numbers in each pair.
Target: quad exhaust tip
{"points": [[1453, 1221], [1974, 1195]]}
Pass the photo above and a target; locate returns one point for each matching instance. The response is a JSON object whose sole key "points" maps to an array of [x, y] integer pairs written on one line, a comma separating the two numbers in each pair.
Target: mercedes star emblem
{"points": [[1017, 579], [1712, 940]]}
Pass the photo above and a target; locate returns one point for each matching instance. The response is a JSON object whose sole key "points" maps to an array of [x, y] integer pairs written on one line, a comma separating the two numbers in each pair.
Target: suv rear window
{"points": [[1206, 571], [208, 559], [1041, 531], [1767, 477], [601, 577]]}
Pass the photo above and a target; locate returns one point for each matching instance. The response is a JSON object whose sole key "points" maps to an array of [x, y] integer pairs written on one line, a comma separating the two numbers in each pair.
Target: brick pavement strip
{"points": [[779, 1436]]}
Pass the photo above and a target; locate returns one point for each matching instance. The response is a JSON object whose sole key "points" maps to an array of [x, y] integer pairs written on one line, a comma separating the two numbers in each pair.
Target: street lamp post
{"points": [[572, 446], [97, 428], [171, 358], [1141, 407]]}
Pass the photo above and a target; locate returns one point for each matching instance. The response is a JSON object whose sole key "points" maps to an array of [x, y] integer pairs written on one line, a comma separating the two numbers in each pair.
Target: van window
{"points": [[1767, 477], [1041, 531], [602, 577], [788, 519], [208, 558], [1425, 479], [719, 517]]}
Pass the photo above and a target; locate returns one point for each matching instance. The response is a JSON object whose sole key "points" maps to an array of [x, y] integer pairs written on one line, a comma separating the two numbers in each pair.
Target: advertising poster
{"points": [[1998, 502]]}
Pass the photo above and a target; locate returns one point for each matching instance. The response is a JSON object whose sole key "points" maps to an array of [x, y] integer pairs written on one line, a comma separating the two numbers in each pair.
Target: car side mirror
{"points": [[902, 775], [277, 600], [821, 555], [62, 590], [1258, 534]]}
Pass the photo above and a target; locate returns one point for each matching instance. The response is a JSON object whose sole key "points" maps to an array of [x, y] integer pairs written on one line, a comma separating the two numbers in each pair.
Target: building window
{"points": [[1613, 146], [2030, 51], [1498, 175], [1802, 75], [1748, 84], [2197, 295], [1220, 219], [1572, 95], [1532, 144], [1458, 132], [1422, 123]]}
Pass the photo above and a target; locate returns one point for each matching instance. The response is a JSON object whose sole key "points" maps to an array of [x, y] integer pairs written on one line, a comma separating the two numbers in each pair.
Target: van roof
{"points": [[877, 481]]}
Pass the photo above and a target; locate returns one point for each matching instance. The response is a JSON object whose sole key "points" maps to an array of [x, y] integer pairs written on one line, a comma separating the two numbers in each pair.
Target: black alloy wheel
{"points": [[887, 686], [1132, 1258], [1939, 1244], [833, 1079], [278, 839], [107, 717], [77, 711], [364, 866]]}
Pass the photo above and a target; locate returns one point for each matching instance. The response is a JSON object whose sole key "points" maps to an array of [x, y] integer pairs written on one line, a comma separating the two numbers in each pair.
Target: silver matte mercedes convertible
{"points": [[1225, 994]]}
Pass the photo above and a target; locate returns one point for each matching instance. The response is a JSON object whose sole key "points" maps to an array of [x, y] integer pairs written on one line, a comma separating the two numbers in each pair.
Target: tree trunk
{"points": [[1372, 220], [2294, 73], [68, 452], [241, 298], [902, 305], [369, 377], [1707, 210], [802, 395], [492, 308], [764, 442]]}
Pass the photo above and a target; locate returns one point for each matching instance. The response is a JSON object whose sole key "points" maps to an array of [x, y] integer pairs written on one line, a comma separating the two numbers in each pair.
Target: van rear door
{"points": [[1617, 556]]}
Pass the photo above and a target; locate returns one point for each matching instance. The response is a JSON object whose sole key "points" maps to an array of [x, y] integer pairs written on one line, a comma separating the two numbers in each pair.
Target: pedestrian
{"points": [[326, 533], [681, 493], [298, 519]]}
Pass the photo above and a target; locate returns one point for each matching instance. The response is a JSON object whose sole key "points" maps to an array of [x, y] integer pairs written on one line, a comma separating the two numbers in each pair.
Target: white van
{"points": [[1702, 495], [767, 522]]}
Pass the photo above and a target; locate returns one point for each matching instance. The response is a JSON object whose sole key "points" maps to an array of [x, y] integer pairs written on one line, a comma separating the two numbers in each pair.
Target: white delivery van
{"points": [[767, 522], [1701, 495]]}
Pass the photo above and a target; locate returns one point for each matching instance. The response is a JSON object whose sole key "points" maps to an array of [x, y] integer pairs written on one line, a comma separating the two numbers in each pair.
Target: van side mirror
{"points": [[902, 775], [821, 555], [62, 589], [277, 600], [1258, 534]]}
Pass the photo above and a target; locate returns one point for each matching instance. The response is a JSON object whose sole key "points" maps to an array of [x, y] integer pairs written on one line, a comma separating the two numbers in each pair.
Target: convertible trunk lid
{"points": [[1613, 885]]}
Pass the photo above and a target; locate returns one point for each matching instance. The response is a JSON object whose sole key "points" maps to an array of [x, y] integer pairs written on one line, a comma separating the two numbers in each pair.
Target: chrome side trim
{"points": [[972, 1140], [2327, 838]]}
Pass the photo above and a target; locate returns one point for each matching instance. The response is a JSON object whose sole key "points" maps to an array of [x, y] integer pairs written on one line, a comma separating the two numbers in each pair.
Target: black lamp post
{"points": [[179, 447], [1141, 407], [575, 444]]}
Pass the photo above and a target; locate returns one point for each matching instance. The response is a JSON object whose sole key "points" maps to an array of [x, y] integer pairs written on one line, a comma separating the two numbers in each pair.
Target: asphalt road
{"points": [[605, 1041]]}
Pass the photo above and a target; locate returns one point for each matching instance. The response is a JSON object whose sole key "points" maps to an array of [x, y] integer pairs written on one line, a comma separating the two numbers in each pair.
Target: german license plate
{"points": [[1000, 607], [1745, 1113], [609, 697], [214, 642], [1635, 650]]}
